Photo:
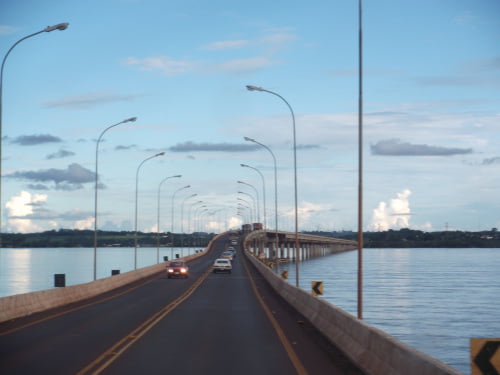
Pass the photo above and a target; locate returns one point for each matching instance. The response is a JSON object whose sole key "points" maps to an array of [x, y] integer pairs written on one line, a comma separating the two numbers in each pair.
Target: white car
{"points": [[222, 265], [227, 255]]}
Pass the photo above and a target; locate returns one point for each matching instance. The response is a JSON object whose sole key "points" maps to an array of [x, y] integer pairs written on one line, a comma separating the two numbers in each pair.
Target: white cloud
{"points": [[395, 215], [87, 223], [225, 45], [166, 64], [250, 64], [22, 205]]}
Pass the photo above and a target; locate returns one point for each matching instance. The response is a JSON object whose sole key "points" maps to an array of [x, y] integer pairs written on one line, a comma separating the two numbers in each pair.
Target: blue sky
{"points": [[431, 113]]}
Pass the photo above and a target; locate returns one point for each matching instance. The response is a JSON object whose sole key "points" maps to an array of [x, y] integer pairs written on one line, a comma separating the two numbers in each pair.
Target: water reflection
{"points": [[15, 268]]}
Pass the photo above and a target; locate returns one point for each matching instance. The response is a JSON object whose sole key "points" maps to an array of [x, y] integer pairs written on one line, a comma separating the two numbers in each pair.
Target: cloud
{"points": [[6, 29], [123, 147], [87, 223], [225, 45], [90, 100], [70, 178], [395, 215], [19, 208], [37, 139], [224, 147], [394, 147], [60, 154], [166, 64], [490, 161], [246, 65], [38, 187]]}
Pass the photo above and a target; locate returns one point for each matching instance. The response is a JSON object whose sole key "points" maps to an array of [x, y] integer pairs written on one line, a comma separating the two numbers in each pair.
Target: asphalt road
{"points": [[206, 324]]}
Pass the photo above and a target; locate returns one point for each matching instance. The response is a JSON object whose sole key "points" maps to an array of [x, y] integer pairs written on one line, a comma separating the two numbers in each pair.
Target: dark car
{"points": [[177, 268]]}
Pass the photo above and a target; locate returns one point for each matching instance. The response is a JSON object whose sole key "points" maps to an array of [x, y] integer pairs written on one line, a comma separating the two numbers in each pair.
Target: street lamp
{"points": [[59, 26], [158, 221], [256, 194], [252, 217], [360, 162], [172, 208], [244, 206], [263, 189], [182, 222], [136, 196], [275, 196], [132, 119], [297, 252], [190, 229]]}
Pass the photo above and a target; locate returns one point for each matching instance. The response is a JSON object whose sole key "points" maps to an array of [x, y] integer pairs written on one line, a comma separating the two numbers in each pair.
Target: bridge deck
{"points": [[207, 324]]}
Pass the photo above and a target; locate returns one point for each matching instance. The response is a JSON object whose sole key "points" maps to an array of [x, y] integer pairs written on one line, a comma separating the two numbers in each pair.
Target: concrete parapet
{"points": [[372, 350], [20, 305]]}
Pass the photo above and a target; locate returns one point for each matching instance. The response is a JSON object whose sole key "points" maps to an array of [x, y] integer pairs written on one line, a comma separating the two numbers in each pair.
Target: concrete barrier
{"points": [[374, 351], [20, 305]]}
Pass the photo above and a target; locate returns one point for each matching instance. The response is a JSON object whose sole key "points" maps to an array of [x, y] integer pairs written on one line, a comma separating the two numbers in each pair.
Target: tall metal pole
{"points": [[136, 199], [275, 198], [263, 190], [360, 168], [132, 119], [182, 221], [158, 218], [257, 195], [172, 209], [59, 26], [297, 249]]}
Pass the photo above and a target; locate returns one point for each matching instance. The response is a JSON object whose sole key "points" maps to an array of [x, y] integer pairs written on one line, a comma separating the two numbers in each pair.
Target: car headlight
{"points": [[170, 270], [183, 270]]}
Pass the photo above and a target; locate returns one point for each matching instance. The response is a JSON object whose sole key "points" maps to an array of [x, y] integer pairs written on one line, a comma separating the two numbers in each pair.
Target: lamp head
{"points": [[254, 88], [59, 26], [249, 139], [160, 154], [179, 175], [132, 119]]}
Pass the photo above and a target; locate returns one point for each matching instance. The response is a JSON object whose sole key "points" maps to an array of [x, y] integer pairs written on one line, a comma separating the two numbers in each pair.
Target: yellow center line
{"points": [[299, 367], [105, 359]]}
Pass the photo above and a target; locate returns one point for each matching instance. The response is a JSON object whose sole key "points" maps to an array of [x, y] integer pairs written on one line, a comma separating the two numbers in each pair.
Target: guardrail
{"points": [[372, 350]]}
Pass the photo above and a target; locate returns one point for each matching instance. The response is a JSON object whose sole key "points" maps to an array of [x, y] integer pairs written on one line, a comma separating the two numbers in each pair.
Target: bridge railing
{"points": [[372, 350]]}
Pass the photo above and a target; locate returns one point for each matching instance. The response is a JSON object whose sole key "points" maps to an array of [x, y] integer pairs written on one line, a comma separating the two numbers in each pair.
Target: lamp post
{"points": [[182, 221], [132, 119], [136, 196], [297, 252], [172, 209], [248, 205], [59, 26], [275, 197], [263, 190], [360, 163], [244, 208], [190, 222], [158, 218], [256, 194]]}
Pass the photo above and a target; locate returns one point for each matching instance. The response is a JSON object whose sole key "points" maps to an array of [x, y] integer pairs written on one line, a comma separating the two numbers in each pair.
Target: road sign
{"points": [[317, 288], [485, 356], [284, 274]]}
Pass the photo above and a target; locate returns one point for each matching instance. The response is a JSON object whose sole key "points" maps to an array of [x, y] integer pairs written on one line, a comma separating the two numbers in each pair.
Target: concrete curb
{"points": [[374, 351]]}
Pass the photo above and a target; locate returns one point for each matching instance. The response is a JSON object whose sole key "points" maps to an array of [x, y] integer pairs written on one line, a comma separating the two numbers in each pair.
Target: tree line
{"points": [[409, 238], [85, 238], [402, 238]]}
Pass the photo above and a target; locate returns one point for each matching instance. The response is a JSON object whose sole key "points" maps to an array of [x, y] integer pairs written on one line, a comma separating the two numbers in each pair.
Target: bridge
{"points": [[247, 322]]}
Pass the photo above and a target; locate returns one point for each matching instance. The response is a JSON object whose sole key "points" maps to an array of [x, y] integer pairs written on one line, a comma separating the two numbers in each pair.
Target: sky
{"points": [[431, 114]]}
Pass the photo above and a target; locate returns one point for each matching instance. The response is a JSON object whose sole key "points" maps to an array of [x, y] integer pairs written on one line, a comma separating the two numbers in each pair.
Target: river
{"points": [[432, 299]]}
